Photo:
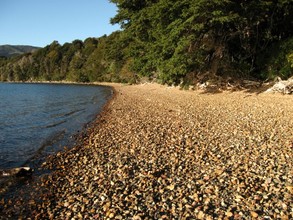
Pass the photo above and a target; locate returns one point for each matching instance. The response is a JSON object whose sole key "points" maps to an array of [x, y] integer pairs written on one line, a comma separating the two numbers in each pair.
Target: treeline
{"points": [[173, 41], [88, 61]]}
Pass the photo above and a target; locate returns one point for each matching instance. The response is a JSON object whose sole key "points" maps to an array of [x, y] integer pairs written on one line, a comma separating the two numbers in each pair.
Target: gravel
{"points": [[158, 152]]}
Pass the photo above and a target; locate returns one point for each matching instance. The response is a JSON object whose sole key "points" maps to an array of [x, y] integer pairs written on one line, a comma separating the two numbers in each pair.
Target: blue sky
{"points": [[40, 22]]}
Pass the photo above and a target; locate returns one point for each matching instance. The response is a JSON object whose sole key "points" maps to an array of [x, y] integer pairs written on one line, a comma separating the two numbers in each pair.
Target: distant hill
{"points": [[14, 50]]}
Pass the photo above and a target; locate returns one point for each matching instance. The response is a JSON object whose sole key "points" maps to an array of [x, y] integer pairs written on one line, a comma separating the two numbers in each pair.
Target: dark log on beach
{"points": [[18, 172]]}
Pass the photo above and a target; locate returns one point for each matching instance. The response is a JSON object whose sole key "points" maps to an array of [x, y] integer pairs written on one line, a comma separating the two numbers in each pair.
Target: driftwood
{"points": [[282, 86], [18, 172], [250, 83]]}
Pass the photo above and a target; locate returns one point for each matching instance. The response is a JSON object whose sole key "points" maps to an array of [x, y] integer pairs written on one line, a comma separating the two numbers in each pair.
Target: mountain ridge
{"points": [[14, 50]]}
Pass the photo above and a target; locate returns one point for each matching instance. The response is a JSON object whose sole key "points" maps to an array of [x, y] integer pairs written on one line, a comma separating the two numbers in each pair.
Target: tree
{"points": [[173, 39]]}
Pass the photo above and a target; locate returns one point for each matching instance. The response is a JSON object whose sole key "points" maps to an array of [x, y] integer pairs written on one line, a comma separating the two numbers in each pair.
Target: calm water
{"points": [[39, 119]]}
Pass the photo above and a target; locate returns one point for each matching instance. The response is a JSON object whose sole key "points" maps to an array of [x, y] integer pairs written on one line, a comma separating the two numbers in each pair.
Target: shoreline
{"points": [[57, 82], [11, 183], [157, 152], [248, 86]]}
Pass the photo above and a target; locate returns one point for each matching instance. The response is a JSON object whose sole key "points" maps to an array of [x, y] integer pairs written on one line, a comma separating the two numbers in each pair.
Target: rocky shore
{"points": [[161, 153]]}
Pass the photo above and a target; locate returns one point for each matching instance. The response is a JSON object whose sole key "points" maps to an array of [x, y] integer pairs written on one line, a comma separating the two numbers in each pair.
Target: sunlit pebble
{"points": [[177, 154]]}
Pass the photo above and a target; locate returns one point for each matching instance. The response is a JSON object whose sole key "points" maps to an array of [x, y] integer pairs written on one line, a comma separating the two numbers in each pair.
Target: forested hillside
{"points": [[173, 41]]}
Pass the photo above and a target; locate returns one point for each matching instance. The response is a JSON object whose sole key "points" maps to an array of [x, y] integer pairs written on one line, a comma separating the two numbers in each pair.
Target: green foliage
{"points": [[172, 41], [290, 59], [277, 60]]}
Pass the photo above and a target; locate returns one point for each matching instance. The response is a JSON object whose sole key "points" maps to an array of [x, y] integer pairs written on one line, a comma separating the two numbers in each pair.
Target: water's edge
{"points": [[10, 185]]}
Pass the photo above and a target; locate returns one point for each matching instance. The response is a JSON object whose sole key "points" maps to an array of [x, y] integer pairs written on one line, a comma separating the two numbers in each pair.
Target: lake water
{"points": [[39, 119]]}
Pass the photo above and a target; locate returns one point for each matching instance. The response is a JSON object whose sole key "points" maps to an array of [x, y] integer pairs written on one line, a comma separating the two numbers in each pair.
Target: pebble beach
{"points": [[158, 152]]}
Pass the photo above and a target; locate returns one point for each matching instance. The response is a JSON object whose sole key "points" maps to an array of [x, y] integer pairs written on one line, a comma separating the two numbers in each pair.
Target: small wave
{"points": [[67, 114], [55, 124], [73, 112], [51, 140]]}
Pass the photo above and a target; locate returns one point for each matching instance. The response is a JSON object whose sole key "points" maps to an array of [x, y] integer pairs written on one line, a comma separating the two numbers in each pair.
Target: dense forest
{"points": [[172, 41]]}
